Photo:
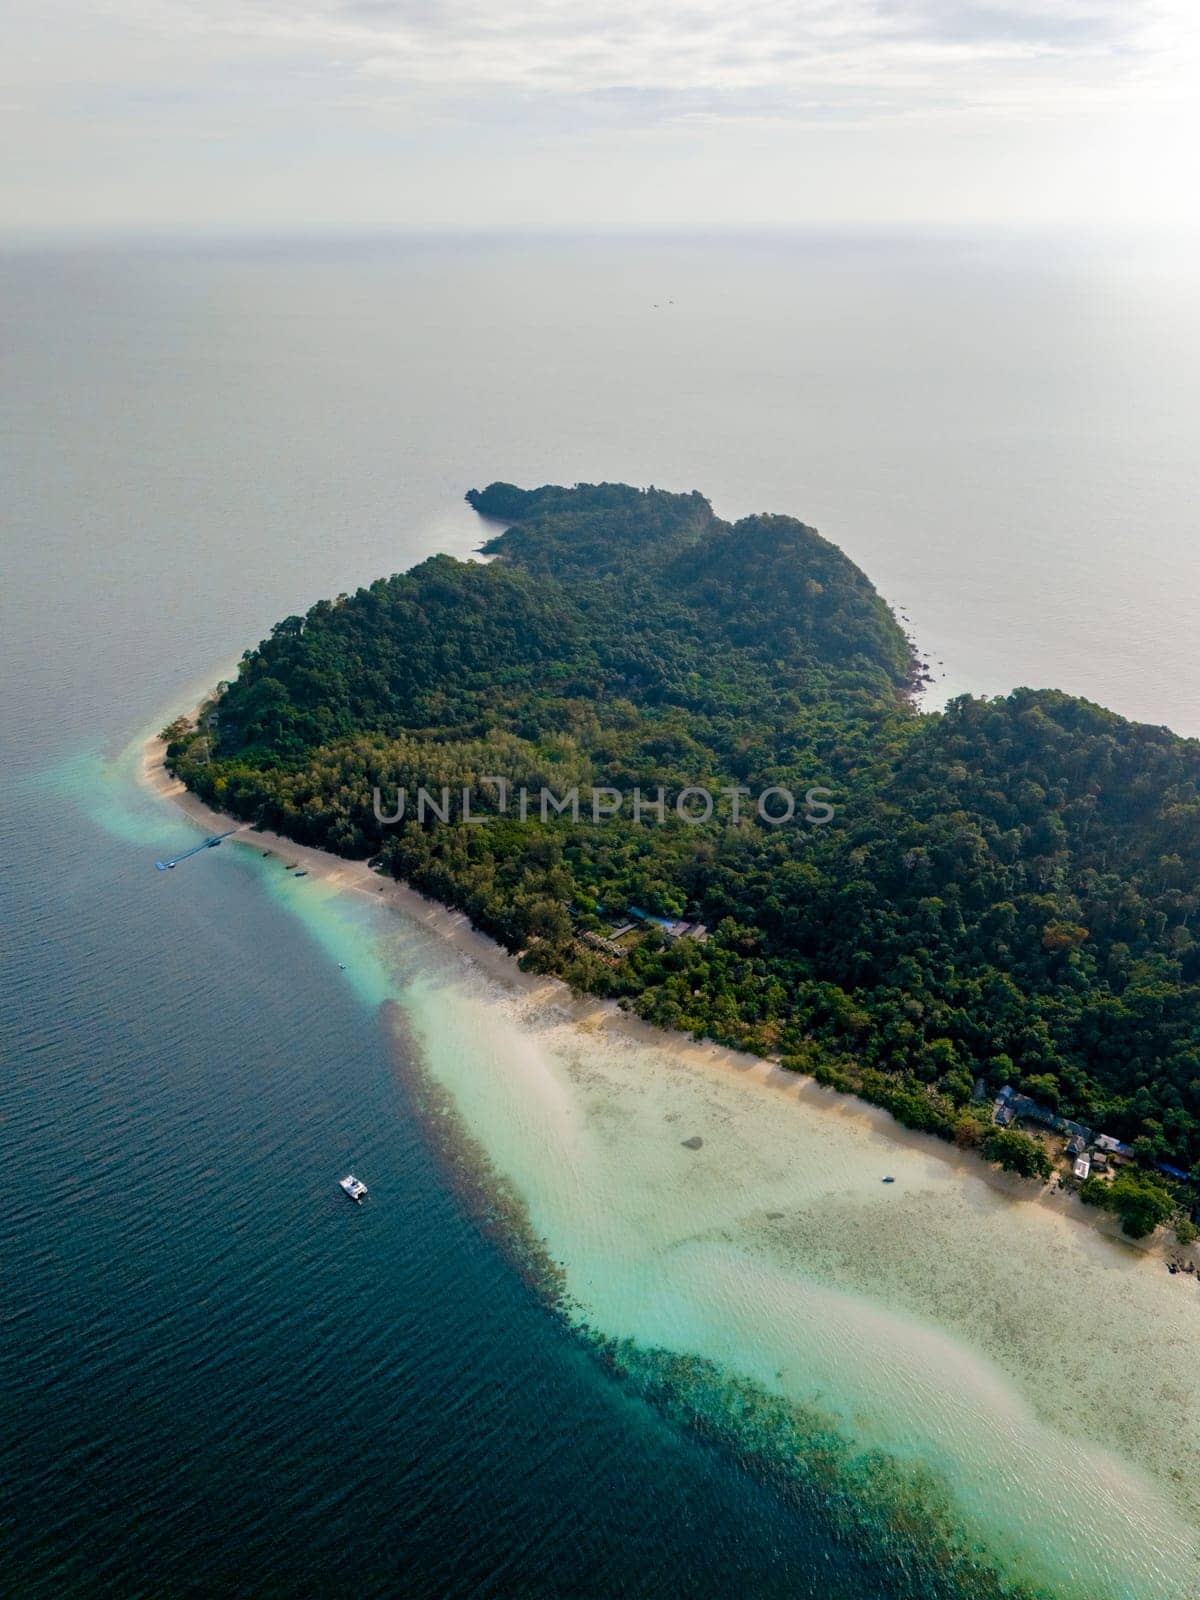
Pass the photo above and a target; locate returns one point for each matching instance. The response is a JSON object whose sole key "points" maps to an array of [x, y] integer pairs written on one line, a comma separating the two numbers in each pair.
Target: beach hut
{"points": [[1171, 1172], [1113, 1148]]}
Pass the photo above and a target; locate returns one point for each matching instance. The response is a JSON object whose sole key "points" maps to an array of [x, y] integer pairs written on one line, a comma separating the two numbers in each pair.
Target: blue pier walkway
{"points": [[207, 844]]}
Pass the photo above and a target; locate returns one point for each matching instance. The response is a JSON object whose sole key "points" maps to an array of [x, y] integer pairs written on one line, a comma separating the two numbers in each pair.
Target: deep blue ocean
{"points": [[217, 1377]]}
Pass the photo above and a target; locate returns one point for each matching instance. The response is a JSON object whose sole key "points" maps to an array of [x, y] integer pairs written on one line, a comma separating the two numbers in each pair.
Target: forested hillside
{"points": [[1007, 889]]}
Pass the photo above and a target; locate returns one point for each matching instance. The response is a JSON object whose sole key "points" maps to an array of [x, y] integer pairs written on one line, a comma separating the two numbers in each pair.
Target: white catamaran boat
{"points": [[354, 1187]]}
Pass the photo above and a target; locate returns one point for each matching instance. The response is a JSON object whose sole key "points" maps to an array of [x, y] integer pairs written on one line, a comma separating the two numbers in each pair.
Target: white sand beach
{"points": [[703, 1203]]}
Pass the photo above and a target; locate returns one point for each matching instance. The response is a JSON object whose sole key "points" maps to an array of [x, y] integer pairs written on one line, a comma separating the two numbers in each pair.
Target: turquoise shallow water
{"points": [[221, 1379], [558, 1353], [829, 1340], [934, 1340]]}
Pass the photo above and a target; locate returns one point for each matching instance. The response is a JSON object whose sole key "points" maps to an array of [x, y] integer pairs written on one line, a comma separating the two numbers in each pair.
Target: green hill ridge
{"points": [[1006, 890]]}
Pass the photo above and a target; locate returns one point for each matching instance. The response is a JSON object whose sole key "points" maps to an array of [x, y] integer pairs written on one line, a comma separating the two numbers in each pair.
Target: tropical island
{"points": [[978, 918]]}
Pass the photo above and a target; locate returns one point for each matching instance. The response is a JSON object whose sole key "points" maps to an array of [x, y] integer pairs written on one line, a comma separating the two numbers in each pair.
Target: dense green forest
{"points": [[1006, 889]]}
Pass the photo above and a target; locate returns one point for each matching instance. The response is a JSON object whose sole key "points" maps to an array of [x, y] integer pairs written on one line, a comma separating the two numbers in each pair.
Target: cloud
{"points": [[461, 80], [887, 52]]}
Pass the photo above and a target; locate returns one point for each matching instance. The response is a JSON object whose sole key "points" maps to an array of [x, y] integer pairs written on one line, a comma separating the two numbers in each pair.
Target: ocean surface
{"points": [[557, 1353]]}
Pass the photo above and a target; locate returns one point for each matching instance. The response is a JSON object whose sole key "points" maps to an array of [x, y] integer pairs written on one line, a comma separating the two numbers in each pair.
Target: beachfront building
{"points": [[1113, 1148], [1003, 1114], [671, 927], [1010, 1106], [1168, 1171]]}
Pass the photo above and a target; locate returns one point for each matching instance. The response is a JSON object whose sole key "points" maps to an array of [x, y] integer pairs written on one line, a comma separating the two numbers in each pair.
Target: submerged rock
{"points": [[693, 1143]]}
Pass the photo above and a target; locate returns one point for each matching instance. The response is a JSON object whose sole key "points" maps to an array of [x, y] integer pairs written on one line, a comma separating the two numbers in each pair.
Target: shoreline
{"points": [[590, 1014]]}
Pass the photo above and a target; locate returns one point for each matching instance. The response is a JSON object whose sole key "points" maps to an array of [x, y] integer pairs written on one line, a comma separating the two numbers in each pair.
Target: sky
{"points": [[381, 114]]}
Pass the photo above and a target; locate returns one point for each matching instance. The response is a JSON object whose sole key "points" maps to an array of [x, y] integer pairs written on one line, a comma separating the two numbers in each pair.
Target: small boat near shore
{"points": [[354, 1187]]}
